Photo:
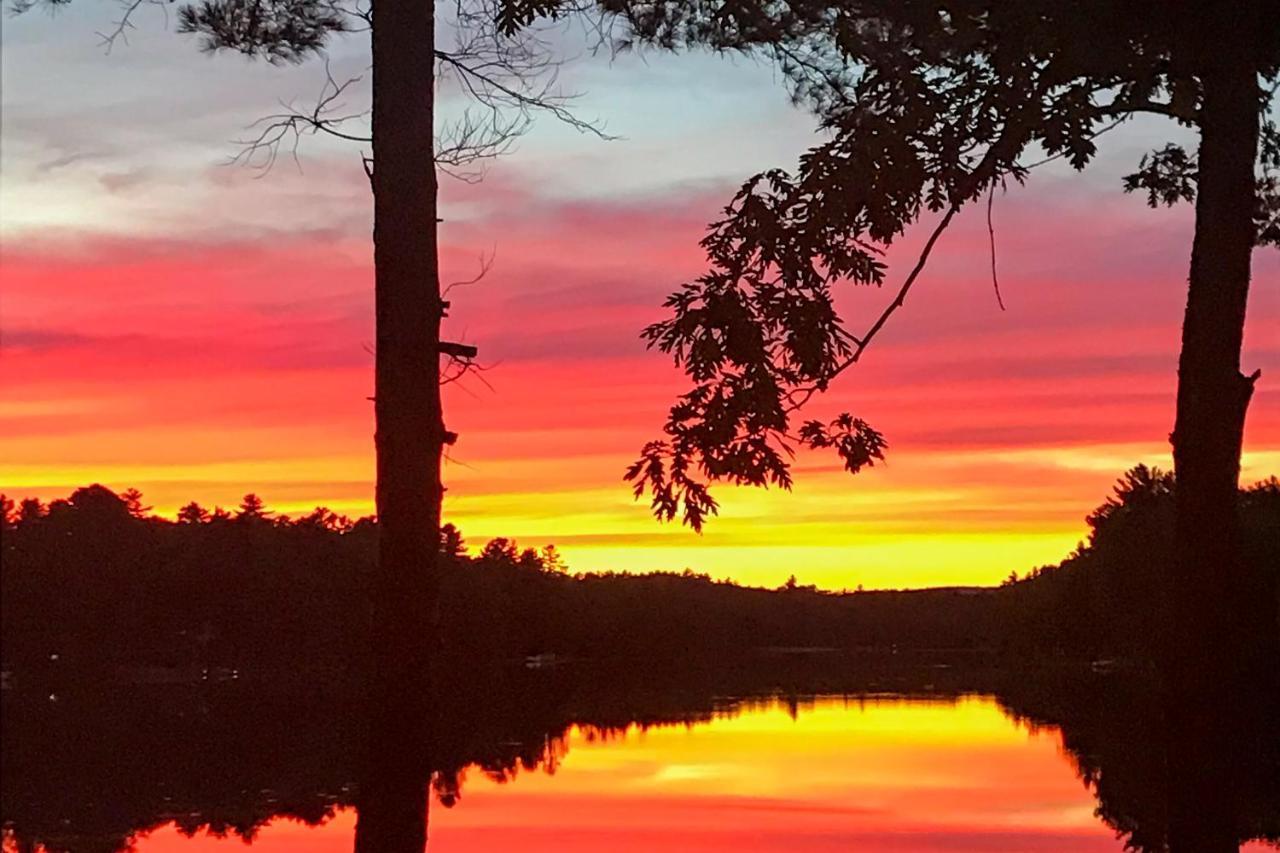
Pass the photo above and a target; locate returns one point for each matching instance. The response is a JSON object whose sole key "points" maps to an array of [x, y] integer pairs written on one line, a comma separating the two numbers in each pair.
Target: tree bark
{"points": [[409, 428], [1221, 625], [1216, 608]]}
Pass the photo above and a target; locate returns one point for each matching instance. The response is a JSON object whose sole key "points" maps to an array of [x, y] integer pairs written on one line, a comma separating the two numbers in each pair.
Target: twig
{"points": [[800, 396], [123, 25], [276, 128], [1037, 164], [991, 231], [486, 264]]}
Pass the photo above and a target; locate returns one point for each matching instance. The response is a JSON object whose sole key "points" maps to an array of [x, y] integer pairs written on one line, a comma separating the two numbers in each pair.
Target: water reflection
{"points": [[978, 761]]}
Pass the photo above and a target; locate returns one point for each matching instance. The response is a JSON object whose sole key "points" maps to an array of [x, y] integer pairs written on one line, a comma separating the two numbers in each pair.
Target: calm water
{"points": [[869, 773], [889, 774]]}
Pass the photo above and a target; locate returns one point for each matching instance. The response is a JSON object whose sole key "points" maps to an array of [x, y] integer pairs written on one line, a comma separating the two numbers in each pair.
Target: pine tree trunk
{"points": [[409, 423], [409, 428]]}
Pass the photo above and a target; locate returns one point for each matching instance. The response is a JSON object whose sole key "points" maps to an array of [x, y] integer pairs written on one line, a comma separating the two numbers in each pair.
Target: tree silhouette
{"points": [[1134, 493], [499, 68], [552, 560], [252, 508], [133, 500], [510, 74], [500, 550], [451, 542], [929, 106], [193, 513], [30, 509]]}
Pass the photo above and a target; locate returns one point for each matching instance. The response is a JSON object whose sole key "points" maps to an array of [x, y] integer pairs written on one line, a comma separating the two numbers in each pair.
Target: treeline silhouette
{"points": [[93, 584], [1109, 597], [95, 588]]}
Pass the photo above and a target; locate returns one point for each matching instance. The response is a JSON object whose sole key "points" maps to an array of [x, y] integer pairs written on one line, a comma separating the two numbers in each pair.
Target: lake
{"points": [[871, 771]]}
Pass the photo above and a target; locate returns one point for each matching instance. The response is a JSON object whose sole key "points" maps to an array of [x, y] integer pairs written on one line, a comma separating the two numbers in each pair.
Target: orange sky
{"points": [[197, 332]]}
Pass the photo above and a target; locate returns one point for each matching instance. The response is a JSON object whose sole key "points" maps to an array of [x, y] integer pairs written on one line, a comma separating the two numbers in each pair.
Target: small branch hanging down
{"points": [[991, 234]]}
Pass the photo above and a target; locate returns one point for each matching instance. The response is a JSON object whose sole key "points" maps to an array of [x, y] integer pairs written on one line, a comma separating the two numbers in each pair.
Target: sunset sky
{"points": [[200, 330]]}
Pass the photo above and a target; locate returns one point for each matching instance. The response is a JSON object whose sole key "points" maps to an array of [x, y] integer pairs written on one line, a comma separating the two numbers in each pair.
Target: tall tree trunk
{"points": [[1215, 606], [409, 427], [1221, 624], [409, 422]]}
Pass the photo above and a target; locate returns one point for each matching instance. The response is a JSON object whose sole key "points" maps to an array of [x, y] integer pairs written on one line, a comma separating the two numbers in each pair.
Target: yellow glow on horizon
{"points": [[929, 518]]}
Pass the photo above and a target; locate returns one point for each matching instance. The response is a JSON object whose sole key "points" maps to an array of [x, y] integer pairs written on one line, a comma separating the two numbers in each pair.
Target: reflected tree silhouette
{"points": [[91, 772], [394, 806], [1168, 776]]}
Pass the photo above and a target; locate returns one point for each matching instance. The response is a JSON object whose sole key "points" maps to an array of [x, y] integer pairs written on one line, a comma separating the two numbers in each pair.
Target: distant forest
{"points": [[94, 585]]}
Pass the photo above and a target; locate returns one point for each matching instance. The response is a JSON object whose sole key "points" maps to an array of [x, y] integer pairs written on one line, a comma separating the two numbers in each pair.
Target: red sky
{"points": [[198, 331]]}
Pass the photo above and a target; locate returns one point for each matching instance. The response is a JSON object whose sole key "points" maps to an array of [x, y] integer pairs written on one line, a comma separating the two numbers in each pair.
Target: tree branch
{"points": [[121, 27], [983, 173]]}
